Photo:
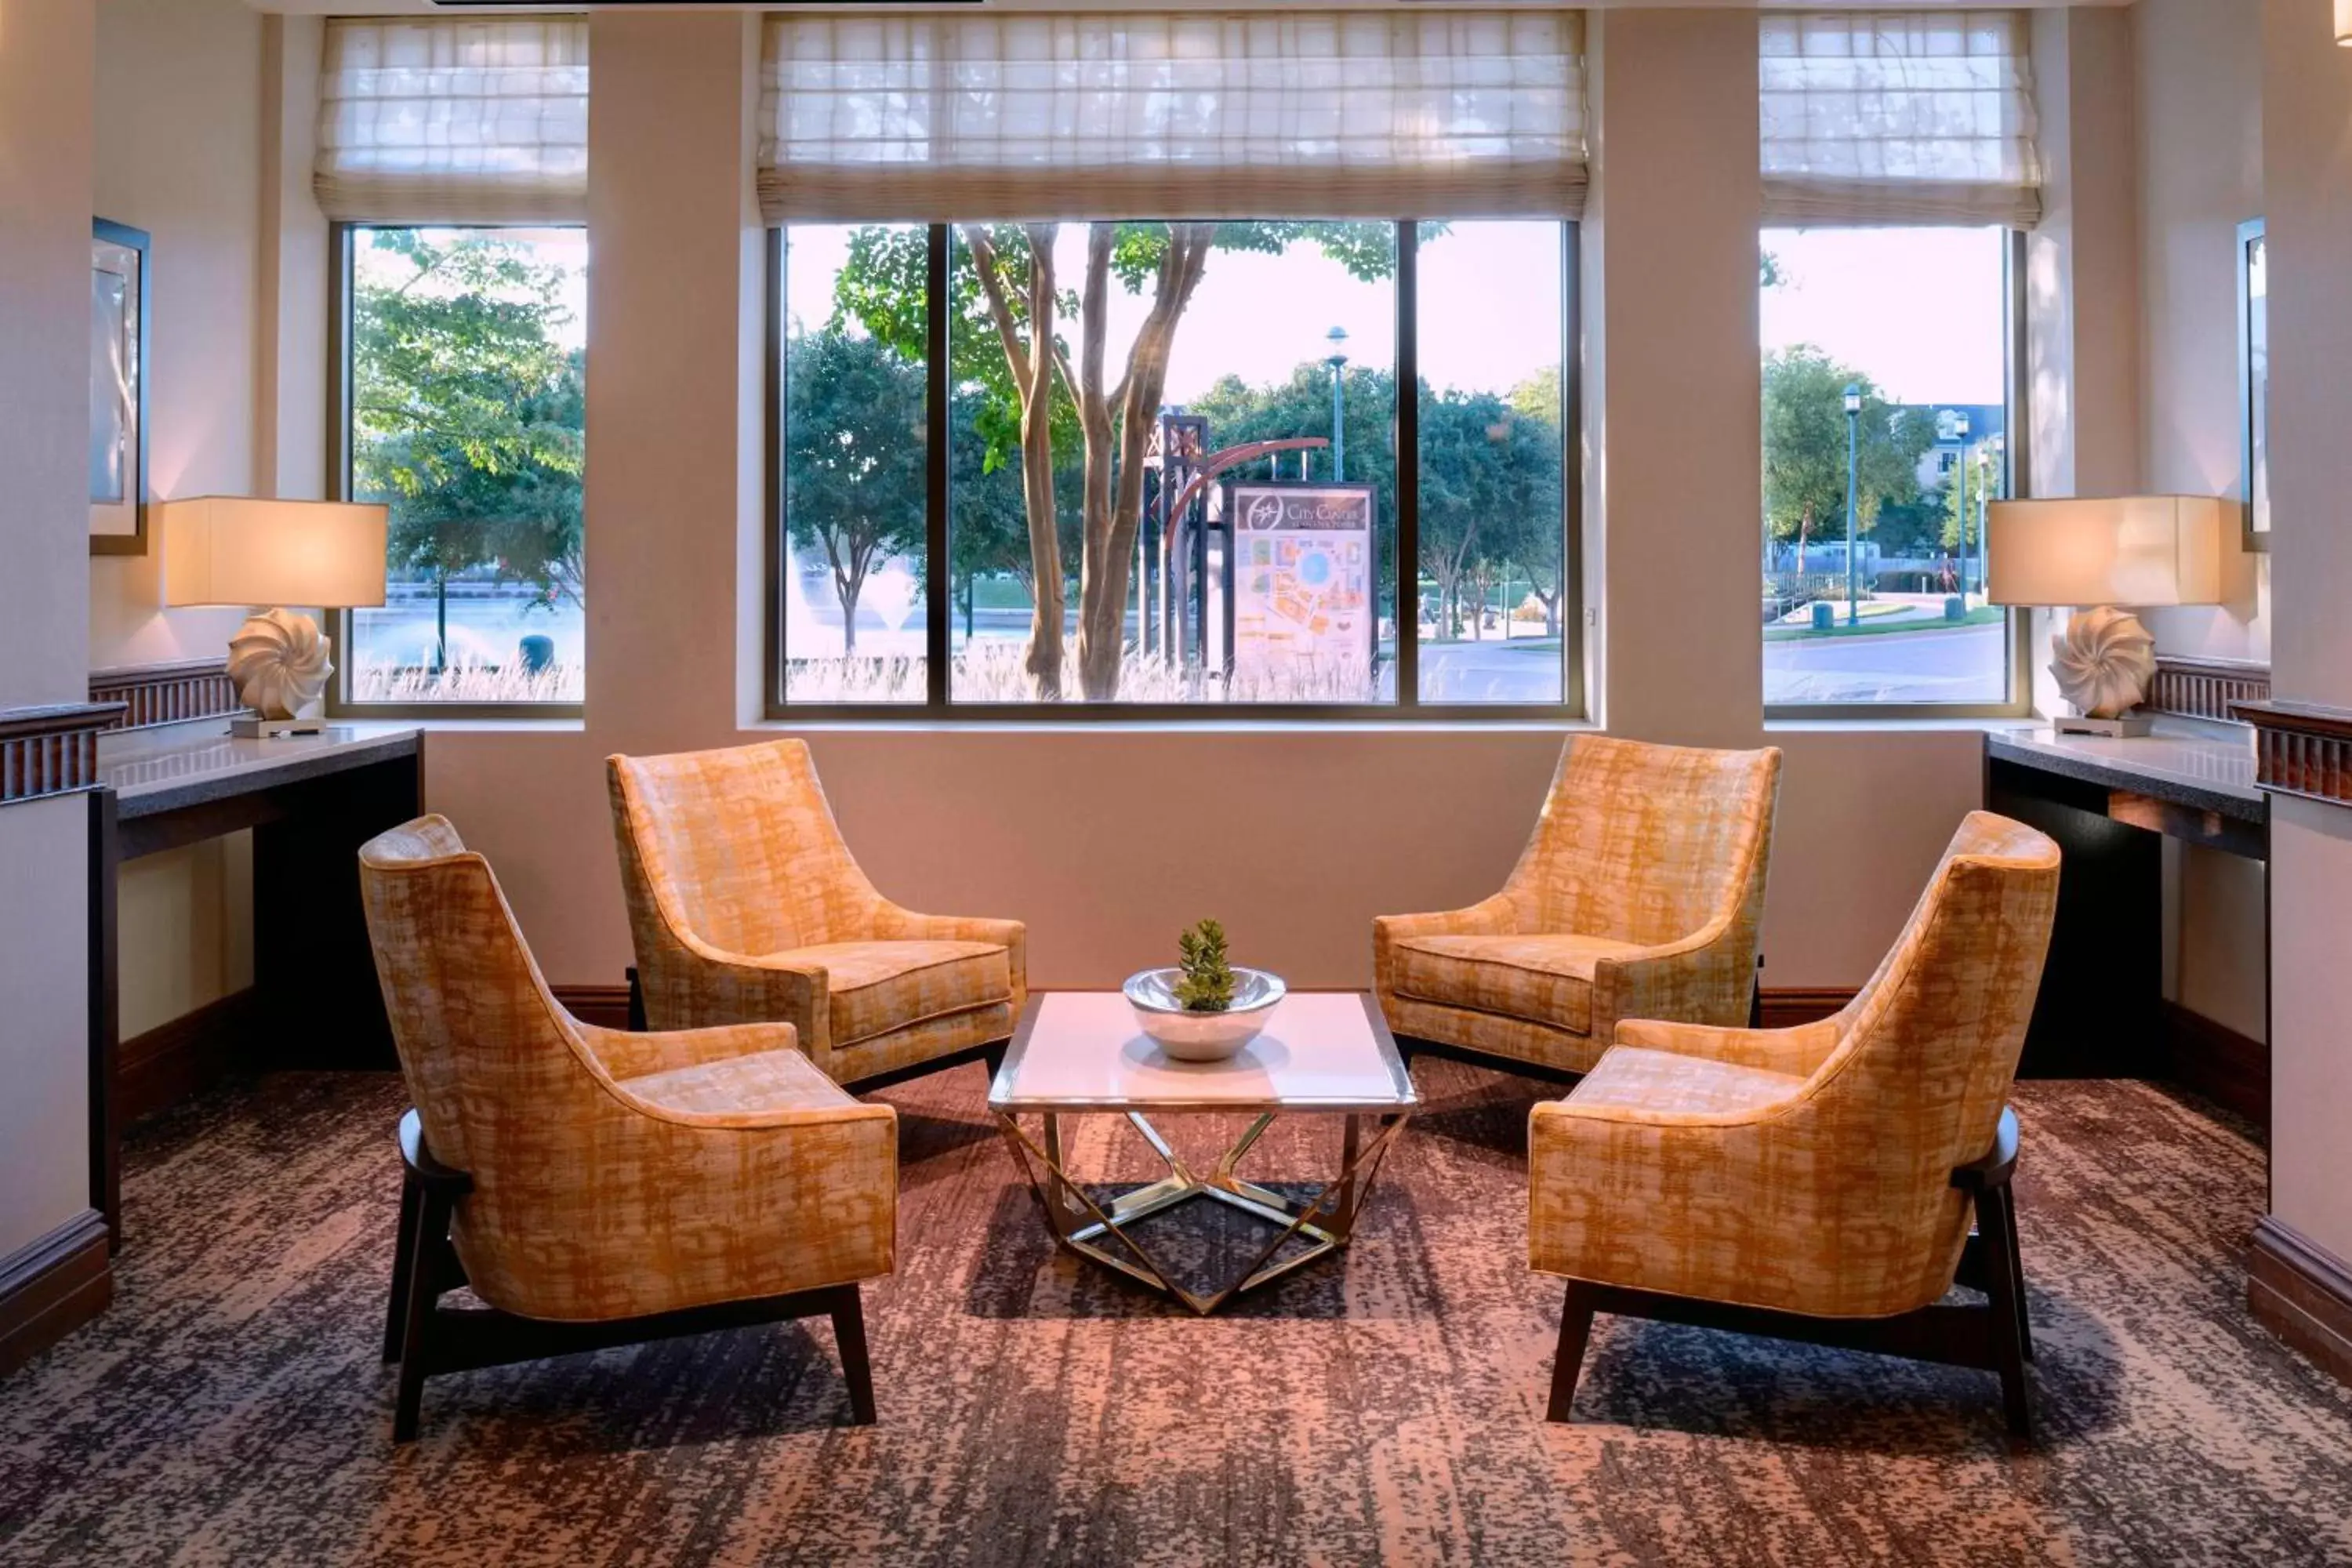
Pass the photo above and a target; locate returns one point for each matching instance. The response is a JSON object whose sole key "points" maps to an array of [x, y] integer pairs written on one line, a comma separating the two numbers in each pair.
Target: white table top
{"points": [[182, 764], [1321, 1051]]}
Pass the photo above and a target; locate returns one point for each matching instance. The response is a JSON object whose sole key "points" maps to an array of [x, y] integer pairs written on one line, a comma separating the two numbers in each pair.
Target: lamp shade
{"points": [[231, 550], [2344, 23], [2132, 551]]}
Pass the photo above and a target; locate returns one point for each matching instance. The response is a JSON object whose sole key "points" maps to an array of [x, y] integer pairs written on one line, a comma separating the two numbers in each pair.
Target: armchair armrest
{"points": [[707, 987], [1705, 977], [625, 1055], [1799, 1052], [1488, 917], [892, 924]]}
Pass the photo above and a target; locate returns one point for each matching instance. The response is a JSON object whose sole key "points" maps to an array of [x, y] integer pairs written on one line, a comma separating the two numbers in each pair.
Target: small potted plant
{"points": [[1203, 1009]]}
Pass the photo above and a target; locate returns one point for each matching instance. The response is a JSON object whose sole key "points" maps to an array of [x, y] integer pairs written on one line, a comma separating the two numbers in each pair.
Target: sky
{"points": [[1918, 310], [1490, 308]]}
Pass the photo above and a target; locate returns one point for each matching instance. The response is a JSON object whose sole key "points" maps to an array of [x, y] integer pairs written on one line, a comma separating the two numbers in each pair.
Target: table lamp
{"points": [[231, 550], [2138, 551]]}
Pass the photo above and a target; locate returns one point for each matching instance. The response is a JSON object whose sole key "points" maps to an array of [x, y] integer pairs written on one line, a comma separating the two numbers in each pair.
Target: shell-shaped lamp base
{"points": [[280, 662], [2103, 661]]}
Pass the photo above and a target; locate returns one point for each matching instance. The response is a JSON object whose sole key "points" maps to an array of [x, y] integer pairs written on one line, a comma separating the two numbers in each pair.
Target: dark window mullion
{"points": [[1571, 474], [939, 598], [1408, 466], [779, 456]]}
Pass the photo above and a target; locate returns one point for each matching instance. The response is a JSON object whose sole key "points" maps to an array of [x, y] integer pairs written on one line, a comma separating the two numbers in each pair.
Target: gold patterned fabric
{"points": [[614, 1174], [746, 905], [1808, 1170], [1639, 895]]}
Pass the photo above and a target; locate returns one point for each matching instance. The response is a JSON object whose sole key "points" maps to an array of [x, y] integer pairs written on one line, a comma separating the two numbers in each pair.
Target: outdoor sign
{"points": [[1304, 578]]}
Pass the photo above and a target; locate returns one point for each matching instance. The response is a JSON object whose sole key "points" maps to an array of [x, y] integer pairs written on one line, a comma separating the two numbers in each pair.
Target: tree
{"points": [[1019, 304], [1489, 487], [1805, 441], [467, 413], [1539, 543], [854, 461]]}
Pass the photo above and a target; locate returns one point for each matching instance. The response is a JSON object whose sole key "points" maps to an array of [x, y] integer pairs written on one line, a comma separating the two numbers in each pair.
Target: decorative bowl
{"points": [[1190, 1036]]}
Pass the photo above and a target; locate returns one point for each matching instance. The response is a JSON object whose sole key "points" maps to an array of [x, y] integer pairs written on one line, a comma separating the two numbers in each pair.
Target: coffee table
{"points": [[1321, 1054]]}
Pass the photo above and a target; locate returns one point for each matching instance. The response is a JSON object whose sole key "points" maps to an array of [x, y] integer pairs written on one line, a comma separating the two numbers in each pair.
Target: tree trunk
{"points": [[1114, 501], [1033, 377]]}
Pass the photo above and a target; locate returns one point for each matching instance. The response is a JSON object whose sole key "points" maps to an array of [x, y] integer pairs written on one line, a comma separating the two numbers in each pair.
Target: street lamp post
{"points": [[1987, 456], [1338, 338], [1960, 427], [1852, 463]]}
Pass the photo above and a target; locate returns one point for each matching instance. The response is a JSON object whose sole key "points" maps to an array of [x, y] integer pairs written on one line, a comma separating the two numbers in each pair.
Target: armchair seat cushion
{"points": [[1665, 1087], [754, 1085], [878, 986], [1546, 978]]}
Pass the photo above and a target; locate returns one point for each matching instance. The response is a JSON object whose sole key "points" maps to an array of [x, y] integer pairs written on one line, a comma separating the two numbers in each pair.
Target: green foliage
{"points": [[1207, 985], [467, 410], [1805, 440], [854, 459], [1986, 480]]}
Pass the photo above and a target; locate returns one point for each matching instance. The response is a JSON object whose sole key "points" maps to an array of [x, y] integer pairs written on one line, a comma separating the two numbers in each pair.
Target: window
{"points": [[1165, 461], [453, 158], [466, 365], [1899, 170], [1197, 499], [1886, 369]]}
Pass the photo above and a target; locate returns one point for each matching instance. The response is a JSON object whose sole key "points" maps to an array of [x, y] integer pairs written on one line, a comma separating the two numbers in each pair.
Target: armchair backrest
{"points": [[503, 1084], [737, 847], [1929, 1050], [1649, 844]]}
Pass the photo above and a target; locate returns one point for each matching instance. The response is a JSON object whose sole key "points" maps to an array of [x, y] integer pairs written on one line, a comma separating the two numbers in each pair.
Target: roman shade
{"points": [[454, 120], [1307, 114], [1899, 117]]}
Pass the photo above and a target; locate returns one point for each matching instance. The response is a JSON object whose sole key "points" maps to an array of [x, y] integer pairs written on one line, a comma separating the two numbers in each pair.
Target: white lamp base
{"points": [[253, 727], [2130, 724]]}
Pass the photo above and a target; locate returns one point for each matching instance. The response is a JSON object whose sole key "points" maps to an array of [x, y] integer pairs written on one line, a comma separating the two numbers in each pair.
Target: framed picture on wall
{"points": [[118, 389], [2254, 380]]}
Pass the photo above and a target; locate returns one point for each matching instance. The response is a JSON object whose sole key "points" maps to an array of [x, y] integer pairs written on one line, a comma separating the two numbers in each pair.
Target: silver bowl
{"points": [[1190, 1036]]}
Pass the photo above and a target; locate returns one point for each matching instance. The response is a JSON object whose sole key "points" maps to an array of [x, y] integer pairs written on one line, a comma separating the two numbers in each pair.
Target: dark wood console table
{"points": [[311, 801], [2110, 804]]}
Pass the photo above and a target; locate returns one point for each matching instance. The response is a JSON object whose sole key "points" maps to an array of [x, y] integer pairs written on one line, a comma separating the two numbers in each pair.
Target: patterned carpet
{"points": [[1383, 1408]]}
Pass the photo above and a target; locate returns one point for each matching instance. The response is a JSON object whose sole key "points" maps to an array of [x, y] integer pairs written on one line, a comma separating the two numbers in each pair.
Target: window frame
{"points": [[938, 706], [2018, 475], [342, 238]]}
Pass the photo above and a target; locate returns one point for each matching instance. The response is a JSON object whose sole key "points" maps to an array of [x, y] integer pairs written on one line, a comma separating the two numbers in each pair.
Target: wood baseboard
{"points": [[53, 1286], [606, 1007], [184, 1057], [2302, 1293], [2219, 1063], [1787, 1008]]}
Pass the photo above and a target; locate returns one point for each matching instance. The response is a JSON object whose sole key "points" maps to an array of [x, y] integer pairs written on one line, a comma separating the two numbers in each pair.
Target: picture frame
{"points": [[2255, 382], [119, 296]]}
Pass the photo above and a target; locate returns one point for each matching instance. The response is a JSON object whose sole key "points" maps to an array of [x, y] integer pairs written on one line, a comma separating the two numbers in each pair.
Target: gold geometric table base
{"points": [[1326, 1220]]}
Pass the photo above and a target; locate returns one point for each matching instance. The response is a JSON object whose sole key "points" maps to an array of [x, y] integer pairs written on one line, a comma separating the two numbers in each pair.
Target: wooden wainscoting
{"points": [[184, 1057], [606, 1007], [51, 1287], [2302, 1293], [168, 693], [2206, 687], [52, 748], [1792, 1005]]}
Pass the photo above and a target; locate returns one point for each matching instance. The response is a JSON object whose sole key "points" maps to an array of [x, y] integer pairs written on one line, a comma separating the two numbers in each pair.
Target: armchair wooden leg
{"points": [[426, 1241], [993, 1055], [2005, 1293], [849, 1336], [404, 1263], [636, 1003], [1568, 1362]]}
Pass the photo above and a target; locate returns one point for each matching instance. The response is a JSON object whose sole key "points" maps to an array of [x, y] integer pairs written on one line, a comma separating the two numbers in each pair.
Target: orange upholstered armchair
{"points": [[1638, 896], [1816, 1182], [746, 905], [595, 1187]]}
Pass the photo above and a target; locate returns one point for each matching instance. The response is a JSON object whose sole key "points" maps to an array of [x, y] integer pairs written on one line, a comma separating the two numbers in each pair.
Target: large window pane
{"points": [[855, 423], [1492, 523], [1885, 432], [467, 382], [1238, 547]]}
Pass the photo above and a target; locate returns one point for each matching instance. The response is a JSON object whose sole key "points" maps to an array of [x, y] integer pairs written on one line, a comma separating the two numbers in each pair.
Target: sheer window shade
{"points": [[1337, 114], [454, 120], [1899, 118]]}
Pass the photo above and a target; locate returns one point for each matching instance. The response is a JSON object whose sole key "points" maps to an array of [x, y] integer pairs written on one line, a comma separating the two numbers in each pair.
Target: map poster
{"points": [[1303, 579]]}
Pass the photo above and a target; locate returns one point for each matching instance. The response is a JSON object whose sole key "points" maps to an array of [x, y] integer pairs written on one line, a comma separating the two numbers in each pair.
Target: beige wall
{"points": [[2307, 167], [44, 184]]}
